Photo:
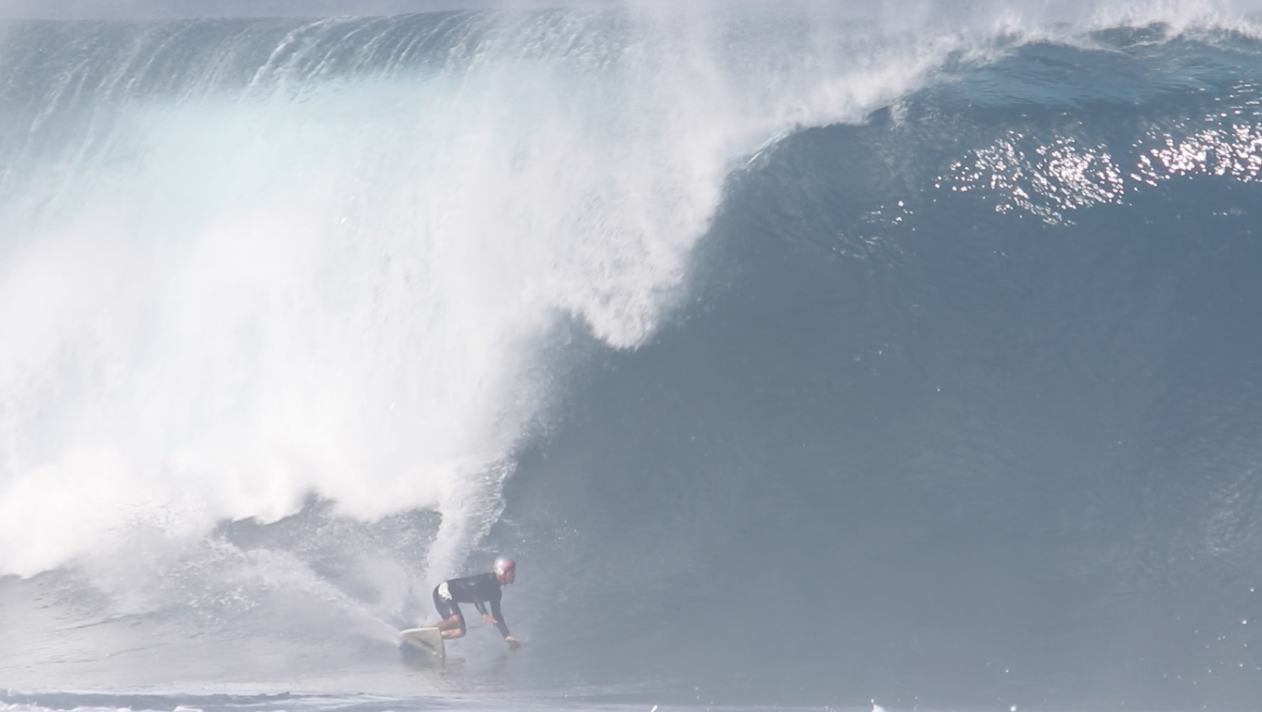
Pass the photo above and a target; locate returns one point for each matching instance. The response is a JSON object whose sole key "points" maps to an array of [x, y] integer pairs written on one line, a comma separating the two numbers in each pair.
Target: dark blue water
{"points": [[972, 413], [944, 393]]}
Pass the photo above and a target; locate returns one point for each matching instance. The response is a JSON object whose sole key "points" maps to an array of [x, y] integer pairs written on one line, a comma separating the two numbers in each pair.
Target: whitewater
{"points": [[816, 356]]}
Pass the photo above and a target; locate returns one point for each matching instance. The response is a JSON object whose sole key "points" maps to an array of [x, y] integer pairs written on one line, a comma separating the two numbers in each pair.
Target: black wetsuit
{"points": [[479, 590]]}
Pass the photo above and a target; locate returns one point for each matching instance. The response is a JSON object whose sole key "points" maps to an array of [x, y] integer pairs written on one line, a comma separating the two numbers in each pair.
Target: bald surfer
{"points": [[482, 591]]}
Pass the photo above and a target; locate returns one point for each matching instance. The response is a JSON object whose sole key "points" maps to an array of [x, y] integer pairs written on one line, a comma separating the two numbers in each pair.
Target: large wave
{"points": [[879, 339], [263, 259]]}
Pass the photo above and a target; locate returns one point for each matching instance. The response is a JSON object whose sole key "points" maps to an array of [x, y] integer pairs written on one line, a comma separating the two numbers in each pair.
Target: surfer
{"points": [[479, 590]]}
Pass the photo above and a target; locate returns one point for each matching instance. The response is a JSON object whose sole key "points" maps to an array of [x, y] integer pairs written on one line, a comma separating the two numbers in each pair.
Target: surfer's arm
{"points": [[486, 616], [498, 617]]}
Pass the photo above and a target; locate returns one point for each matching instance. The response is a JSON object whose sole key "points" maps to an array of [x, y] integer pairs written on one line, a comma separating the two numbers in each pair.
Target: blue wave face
{"points": [[965, 413], [795, 363]]}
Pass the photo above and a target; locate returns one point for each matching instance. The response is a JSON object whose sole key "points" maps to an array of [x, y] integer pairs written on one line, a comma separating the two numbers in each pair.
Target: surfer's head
{"points": [[505, 569]]}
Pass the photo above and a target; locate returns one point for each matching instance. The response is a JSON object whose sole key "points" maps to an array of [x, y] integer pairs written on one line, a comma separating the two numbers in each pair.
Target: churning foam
{"points": [[225, 298]]}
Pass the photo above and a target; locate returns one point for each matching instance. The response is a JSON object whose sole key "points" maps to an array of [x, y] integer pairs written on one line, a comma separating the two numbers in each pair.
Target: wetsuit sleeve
{"points": [[499, 617]]}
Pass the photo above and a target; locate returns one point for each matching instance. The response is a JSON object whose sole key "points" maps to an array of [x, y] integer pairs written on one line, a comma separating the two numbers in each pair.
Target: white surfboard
{"points": [[426, 640]]}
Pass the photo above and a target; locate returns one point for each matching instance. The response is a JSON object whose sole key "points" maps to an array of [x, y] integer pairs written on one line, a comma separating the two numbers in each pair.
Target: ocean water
{"points": [[804, 357]]}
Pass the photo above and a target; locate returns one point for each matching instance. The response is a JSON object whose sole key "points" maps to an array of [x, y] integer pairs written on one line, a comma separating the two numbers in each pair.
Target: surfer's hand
{"points": [[489, 620], [513, 643]]}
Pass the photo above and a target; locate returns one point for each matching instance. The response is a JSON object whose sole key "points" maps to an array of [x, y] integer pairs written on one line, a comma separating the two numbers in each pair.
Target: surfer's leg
{"points": [[451, 624], [452, 627], [448, 633]]}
